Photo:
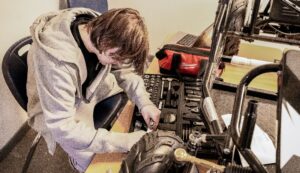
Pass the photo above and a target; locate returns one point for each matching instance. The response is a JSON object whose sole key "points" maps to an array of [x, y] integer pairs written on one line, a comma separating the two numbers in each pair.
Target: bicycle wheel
{"points": [[236, 22]]}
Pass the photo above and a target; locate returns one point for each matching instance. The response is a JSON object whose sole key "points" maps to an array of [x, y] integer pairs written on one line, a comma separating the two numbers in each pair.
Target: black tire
{"points": [[236, 22], [153, 153]]}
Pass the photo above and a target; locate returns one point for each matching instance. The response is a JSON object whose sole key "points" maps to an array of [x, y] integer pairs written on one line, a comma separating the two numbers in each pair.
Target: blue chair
{"points": [[97, 5]]}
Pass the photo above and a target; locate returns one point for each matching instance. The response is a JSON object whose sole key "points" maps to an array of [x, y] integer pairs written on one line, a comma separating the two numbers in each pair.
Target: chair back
{"points": [[14, 68], [97, 5]]}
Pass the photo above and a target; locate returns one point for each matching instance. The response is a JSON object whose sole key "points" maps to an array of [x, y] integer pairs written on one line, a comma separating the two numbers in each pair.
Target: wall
{"points": [[162, 18], [15, 18]]}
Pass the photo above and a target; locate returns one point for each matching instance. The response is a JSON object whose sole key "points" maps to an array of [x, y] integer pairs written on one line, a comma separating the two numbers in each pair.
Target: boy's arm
{"points": [[57, 93], [133, 85]]}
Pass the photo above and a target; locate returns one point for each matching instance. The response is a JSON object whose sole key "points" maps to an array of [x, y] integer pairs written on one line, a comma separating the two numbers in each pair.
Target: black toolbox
{"points": [[179, 102], [181, 106]]}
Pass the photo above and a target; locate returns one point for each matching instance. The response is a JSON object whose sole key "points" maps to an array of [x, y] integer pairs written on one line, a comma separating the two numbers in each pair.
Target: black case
{"points": [[282, 13], [183, 115], [180, 106]]}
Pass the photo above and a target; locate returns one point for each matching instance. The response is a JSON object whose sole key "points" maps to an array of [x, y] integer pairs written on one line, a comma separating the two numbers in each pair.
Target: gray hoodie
{"points": [[56, 71]]}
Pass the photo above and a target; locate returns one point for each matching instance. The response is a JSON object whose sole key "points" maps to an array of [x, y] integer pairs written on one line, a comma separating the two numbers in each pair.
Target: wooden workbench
{"points": [[111, 162]]}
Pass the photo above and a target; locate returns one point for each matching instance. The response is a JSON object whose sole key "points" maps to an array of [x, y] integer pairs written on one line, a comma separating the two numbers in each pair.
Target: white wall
{"points": [[165, 17], [162, 17], [15, 17]]}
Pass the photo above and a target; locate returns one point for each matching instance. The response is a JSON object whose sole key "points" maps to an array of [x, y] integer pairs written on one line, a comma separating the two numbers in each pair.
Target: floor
{"points": [[42, 161]]}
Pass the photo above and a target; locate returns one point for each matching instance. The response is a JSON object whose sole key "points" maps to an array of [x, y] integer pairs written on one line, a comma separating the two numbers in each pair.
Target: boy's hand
{"points": [[151, 115]]}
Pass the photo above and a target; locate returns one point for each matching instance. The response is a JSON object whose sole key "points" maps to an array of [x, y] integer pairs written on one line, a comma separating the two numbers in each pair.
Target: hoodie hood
{"points": [[52, 33]]}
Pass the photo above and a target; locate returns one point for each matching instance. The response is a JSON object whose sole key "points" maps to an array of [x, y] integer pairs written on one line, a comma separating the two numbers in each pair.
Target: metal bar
{"points": [[248, 125], [217, 37], [236, 114], [264, 94], [241, 92], [254, 16], [267, 9], [31, 152], [253, 161], [263, 38]]}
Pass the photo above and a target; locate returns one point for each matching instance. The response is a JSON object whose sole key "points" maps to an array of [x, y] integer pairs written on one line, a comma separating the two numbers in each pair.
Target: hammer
{"points": [[168, 100]]}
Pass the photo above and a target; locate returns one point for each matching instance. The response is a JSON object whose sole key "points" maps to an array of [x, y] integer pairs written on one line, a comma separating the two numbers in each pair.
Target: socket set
{"points": [[152, 84], [179, 102]]}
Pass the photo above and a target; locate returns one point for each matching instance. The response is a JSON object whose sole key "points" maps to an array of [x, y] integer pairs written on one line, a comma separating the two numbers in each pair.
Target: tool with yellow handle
{"points": [[182, 156]]}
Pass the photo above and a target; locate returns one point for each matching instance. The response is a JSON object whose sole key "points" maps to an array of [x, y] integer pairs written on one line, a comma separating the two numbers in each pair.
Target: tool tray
{"points": [[179, 102], [180, 109]]}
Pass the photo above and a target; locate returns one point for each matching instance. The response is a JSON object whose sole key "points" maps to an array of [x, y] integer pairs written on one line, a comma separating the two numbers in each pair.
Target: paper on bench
{"points": [[261, 145]]}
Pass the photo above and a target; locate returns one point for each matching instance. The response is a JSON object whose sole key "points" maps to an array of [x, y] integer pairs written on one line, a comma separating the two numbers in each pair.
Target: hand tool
{"points": [[193, 83], [162, 88], [189, 91], [194, 109], [192, 99], [191, 104], [193, 88], [168, 100], [151, 126], [193, 96], [191, 79], [182, 156]]}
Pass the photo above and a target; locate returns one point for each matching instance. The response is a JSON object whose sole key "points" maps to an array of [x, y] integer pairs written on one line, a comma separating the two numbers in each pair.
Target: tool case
{"points": [[179, 102]]}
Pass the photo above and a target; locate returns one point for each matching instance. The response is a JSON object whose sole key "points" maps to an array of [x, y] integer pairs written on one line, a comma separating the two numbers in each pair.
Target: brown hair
{"points": [[123, 28]]}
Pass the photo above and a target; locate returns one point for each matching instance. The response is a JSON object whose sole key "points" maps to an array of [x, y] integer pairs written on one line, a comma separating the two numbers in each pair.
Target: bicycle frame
{"points": [[250, 32]]}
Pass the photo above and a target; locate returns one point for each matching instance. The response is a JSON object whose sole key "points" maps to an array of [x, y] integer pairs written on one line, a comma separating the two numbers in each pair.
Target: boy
{"points": [[79, 57]]}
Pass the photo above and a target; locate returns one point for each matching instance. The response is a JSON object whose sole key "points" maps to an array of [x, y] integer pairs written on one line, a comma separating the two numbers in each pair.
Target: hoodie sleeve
{"points": [[57, 92], [133, 85]]}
